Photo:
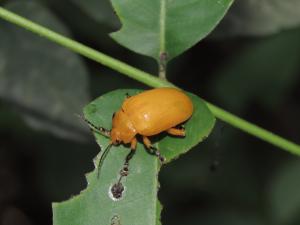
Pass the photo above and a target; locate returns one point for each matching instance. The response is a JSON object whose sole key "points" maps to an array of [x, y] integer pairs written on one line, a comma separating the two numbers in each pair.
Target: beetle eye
{"points": [[113, 115]]}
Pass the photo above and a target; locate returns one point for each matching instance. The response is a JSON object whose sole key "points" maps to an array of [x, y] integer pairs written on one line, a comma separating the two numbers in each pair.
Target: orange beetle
{"points": [[148, 113]]}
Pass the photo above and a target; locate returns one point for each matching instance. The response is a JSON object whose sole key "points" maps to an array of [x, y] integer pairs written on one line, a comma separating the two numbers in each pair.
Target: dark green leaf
{"points": [[283, 193], [266, 70], [224, 217], [139, 204], [100, 10], [153, 27], [46, 83], [260, 17]]}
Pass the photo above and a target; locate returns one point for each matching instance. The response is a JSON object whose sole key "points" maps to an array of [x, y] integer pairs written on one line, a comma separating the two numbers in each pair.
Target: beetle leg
{"points": [[133, 144], [125, 169], [95, 128], [176, 132], [152, 149], [180, 126]]}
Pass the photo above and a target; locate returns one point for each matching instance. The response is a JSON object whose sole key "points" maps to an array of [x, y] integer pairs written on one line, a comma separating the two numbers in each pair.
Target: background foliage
{"points": [[255, 73]]}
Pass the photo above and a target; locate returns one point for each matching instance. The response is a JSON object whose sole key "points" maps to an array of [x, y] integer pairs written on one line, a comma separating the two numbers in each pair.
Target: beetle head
{"points": [[122, 129], [115, 136]]}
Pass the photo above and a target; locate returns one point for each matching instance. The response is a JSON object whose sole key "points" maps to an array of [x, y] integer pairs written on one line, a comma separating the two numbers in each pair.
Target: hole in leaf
{"points": [[116, 191], [115, 220]]}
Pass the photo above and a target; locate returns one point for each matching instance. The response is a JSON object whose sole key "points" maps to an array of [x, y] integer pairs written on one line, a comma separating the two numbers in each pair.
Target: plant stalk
{"points": [[162, 66], [146, 78]]}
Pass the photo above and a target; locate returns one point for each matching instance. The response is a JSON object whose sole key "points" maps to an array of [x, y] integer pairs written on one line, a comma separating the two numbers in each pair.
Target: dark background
{"points": [[249, 65]]}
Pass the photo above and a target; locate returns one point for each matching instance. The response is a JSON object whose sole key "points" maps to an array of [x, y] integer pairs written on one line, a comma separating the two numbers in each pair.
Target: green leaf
{"points": [[153, 27], [158, 212], [260, 17], [46, 83], [139, 204]]}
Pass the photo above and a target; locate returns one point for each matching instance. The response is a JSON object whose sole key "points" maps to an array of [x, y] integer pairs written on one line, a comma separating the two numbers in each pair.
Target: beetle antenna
{"points": [[103, 156], [93, 127]]}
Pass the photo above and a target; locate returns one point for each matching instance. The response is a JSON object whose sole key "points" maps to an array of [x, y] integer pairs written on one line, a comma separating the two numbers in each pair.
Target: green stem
{"points": [[254, 130], [162, 41], [162, 66], [146, 78]]}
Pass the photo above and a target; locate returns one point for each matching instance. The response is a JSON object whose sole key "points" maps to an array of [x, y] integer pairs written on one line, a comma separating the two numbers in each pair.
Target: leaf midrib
{"points": [[162, 27]]}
